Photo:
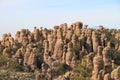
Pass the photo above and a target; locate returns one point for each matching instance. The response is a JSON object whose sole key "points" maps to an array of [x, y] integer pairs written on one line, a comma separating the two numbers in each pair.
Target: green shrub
{"points": [[40, 48], [14, 65], [3, 60], [39, 55], [83, 71], [116, 57], [63, 68]]}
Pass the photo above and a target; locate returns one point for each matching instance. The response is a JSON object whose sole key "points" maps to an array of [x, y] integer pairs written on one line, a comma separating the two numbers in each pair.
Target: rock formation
{"points": [[64, 52]]}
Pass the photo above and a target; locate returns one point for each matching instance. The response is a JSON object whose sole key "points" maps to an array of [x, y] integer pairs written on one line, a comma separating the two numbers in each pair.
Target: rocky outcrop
{"points": [[51, 52]]}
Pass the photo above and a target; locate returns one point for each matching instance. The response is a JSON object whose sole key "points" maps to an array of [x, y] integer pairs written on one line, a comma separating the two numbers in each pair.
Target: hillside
{"points": [[73, 52]]}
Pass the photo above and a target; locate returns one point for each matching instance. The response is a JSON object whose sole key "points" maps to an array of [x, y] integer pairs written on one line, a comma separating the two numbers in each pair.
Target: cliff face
{"points": [[74, 52]]}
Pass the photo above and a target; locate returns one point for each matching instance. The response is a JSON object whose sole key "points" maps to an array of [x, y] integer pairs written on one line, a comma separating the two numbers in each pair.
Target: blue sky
{"points": [[18, 14]]}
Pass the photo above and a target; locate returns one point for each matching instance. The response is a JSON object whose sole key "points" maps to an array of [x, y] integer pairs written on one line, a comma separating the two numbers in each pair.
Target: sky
{"points": [[19, 14]]}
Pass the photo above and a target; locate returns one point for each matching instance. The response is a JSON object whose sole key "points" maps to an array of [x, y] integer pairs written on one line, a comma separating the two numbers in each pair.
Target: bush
{"points": [[83, 71], [3, 60], [116, 57], [14, 65], [63, 68], [39, 55], [40, 48]]}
